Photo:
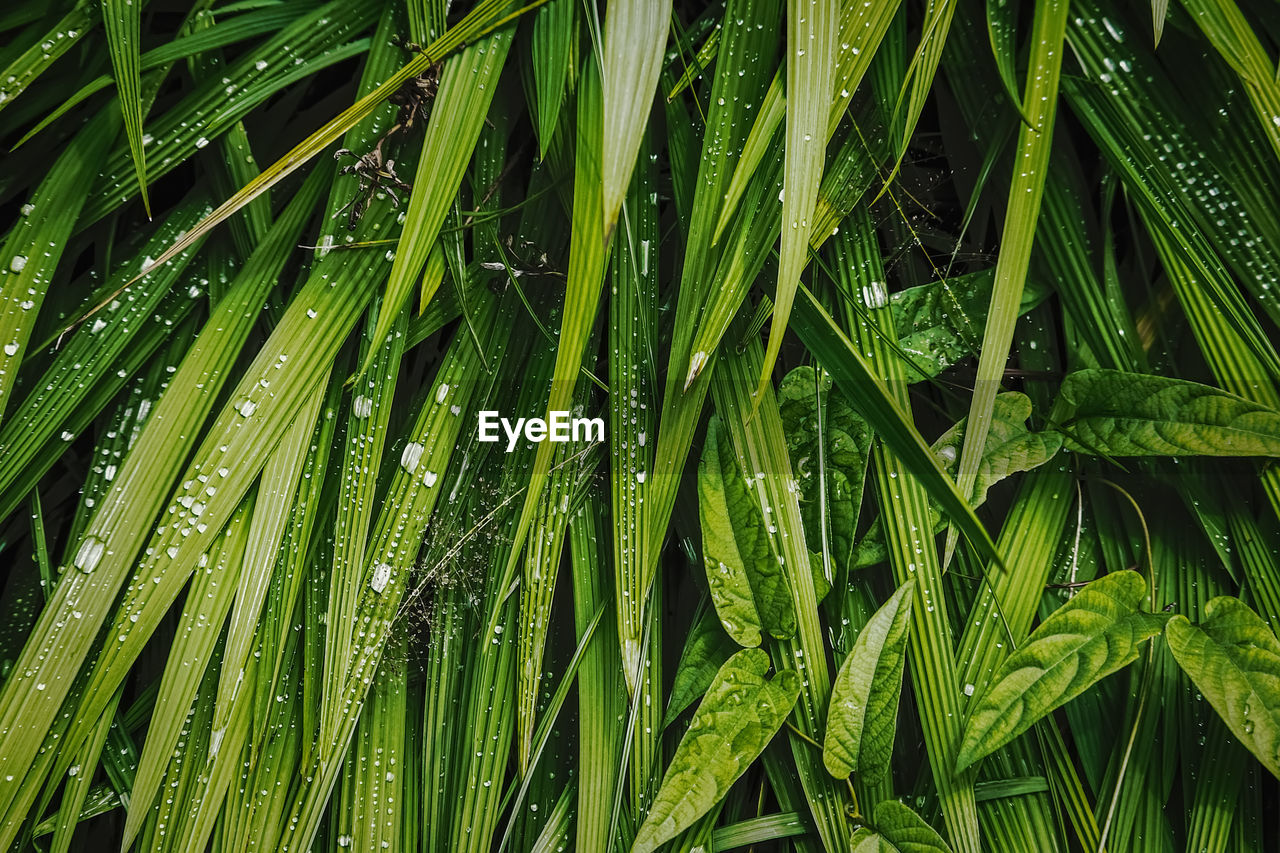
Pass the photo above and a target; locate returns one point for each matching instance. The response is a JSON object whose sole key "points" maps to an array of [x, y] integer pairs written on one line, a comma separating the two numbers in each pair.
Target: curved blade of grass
{"points": [[487, 16], [1031, 161], [1002, 31], [1224, 24], [36, 59], [812, 32], [467, 85], [34, 246], [122, 20], [554, 55], [919, 80], [635, 34], [1233, 658]]}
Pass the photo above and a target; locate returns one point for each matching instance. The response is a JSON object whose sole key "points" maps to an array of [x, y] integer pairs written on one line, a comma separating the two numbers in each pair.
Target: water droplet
{"points": [[410, 455], [381, 574]]}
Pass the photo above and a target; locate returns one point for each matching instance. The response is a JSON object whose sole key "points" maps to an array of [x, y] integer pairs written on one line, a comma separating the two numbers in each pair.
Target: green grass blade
{"points": [[635, 35], [122, 20], [485, 17], [1031, 159], [812, 33], [34, 247], [467, 85], [44, 51]]}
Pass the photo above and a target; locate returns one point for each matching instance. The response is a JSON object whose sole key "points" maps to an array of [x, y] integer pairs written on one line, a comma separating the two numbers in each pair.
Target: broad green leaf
{"points": [[1011, 447], [1133, 414], [863, 713], [740, 714], [1096, 633], [748, 585], [829, 444], [904, 831], [1233, 658], [706, 650], [940, 323]]}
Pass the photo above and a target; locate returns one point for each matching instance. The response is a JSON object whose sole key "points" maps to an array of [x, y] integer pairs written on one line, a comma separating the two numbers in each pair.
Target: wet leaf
{"points": [[740, 714], [748, 585], [1132, 414], [863, 714], [1233, 658], [1096, 633], [841, 457]]}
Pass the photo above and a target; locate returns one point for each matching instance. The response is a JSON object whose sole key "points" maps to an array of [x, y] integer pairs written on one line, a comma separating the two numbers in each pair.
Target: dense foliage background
{"points": [[914, 326]]}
